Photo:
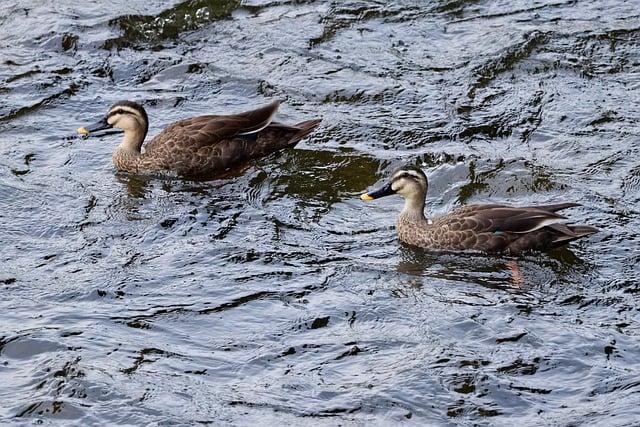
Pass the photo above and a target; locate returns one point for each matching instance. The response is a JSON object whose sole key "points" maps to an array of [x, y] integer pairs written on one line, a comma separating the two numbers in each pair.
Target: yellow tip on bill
{"points": [[366, 196], [83, 131]]}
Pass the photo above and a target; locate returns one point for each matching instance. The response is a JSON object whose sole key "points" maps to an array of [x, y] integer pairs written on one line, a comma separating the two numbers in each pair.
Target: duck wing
{"points": [[482, 218], [210, 145], [196, 132], [489, 227]]}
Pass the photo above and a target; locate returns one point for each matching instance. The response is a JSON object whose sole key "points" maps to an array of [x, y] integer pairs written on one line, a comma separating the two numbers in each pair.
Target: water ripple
{"points": [[277, 296]]}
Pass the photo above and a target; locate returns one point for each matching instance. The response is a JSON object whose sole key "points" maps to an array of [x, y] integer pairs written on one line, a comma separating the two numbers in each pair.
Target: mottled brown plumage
{"points": [[479, 227], [200, 146]]}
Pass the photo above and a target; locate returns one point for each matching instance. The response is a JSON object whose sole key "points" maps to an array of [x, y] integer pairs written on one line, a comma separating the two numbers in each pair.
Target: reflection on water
{"points": [[275, 296], [531, 272]]}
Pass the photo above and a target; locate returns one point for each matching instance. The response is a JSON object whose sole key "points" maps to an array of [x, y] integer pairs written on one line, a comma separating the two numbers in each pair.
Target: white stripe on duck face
{"points": [[410, 175], [122, 109]]}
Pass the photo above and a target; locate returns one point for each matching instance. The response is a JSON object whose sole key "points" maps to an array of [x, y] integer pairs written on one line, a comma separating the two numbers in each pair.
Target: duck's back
{"points": [[209, 145], [493, 228]]}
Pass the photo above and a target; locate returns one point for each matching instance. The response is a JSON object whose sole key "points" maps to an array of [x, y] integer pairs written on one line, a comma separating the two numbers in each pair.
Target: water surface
{"points": [[277, 296]]}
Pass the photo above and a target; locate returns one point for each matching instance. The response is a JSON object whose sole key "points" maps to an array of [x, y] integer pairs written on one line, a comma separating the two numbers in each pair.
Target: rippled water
{"points": [[277, 296]]}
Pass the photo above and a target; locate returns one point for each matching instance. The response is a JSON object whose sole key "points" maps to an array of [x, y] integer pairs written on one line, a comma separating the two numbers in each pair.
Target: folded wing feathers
{"points": [[257, 120], [518, 220], [530, 221]]}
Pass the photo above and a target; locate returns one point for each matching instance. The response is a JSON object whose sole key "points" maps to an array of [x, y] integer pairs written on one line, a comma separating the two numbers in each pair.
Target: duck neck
{"points": [[414, 210], [132, 141], [127, 154]]}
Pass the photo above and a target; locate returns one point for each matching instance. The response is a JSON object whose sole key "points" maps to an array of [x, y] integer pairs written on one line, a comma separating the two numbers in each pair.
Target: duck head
{"points": [[127, 116], [409, 182]]}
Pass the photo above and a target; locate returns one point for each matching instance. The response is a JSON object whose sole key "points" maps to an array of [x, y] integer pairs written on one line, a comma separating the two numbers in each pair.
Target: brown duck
{"points": [[479, 227], [199, 146]]}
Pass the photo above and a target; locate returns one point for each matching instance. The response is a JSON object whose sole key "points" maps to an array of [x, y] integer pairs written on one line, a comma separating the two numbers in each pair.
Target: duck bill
{"points": [[101, 125], [382, 192]]}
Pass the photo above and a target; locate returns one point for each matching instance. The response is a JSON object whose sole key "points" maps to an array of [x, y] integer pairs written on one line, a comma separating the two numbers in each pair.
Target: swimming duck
{"points": [[477, 227], [198, 146]]}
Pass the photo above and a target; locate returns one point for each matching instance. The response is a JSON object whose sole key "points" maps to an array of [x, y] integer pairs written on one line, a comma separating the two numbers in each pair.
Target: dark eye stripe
{"points": [[406, 175], [119, 111]]}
